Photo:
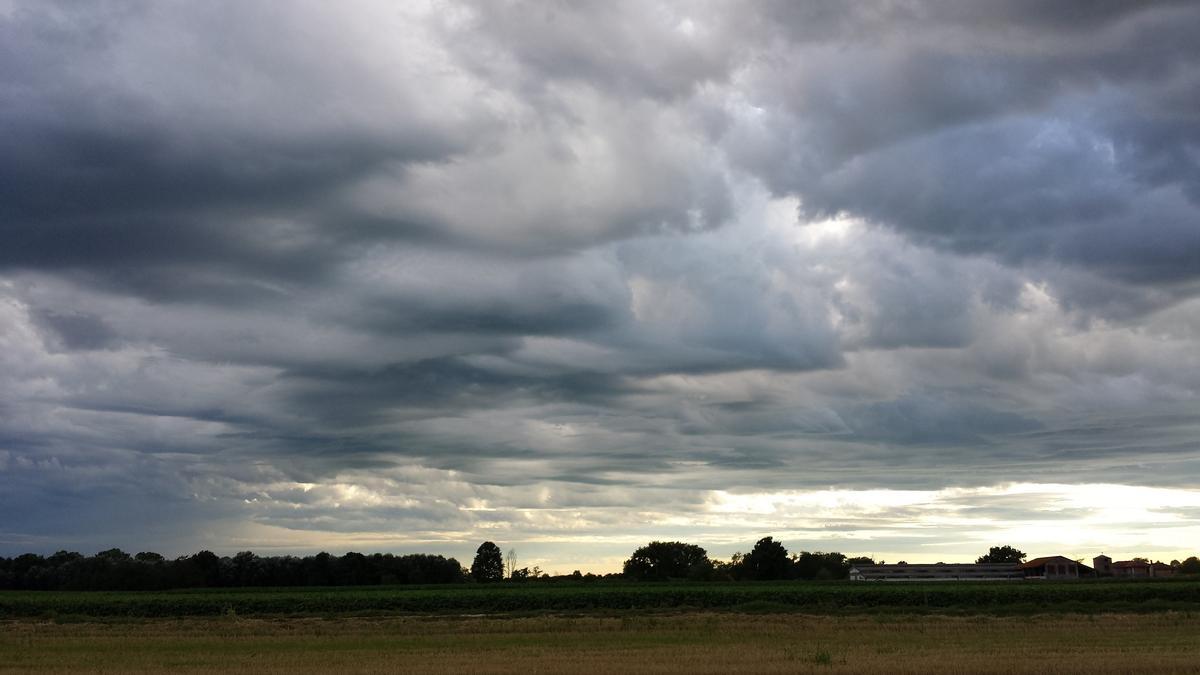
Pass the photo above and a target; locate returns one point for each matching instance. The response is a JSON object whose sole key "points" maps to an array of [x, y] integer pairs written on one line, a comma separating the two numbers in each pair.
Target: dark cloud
{"points": [[994, 128], [933, 420], [584, 274], [78, 331]]}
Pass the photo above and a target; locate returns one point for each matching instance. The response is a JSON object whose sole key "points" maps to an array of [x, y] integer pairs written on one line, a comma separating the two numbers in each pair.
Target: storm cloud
{"points": [[569, 276]]}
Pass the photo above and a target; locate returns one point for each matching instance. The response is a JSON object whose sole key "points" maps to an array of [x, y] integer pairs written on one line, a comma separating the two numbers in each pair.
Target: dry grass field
{"points": [[1166, 642]]}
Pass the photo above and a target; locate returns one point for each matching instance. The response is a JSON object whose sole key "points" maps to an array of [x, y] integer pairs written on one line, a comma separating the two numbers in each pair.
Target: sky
{"points": [[907, 279]]}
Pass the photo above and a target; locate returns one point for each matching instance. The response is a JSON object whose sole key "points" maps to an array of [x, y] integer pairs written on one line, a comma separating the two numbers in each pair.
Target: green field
{"points": [[998, 598], [726, 642], [1006, 627]]}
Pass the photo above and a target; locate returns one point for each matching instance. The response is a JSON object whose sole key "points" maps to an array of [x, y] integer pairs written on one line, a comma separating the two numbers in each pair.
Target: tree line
{"points": [[677, 560], [768, 560], [114, 569]]}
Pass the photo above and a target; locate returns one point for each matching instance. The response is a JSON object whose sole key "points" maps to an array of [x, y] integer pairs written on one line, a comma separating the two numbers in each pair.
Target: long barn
{"points": [[936, 572]]}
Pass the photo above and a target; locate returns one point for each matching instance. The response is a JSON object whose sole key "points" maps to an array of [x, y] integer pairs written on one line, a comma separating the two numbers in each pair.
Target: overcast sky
{"points": [[900, 278]]}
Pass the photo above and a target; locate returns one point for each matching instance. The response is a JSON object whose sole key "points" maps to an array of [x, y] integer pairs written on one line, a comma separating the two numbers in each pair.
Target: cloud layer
{"points": [[372, 276]]}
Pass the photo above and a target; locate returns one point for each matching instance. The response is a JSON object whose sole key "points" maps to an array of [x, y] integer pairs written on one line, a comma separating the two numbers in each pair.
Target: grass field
{"points": [[997, 598], [1165, 642]]}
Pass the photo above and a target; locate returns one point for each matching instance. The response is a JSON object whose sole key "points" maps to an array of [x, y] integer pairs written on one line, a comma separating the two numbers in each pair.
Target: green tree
{"points": [[488, 564], [662, 560], [820, 565], [1001, 554], [64, 557], [766, 561], [114, 555], [246, 567], [1190, 566]]}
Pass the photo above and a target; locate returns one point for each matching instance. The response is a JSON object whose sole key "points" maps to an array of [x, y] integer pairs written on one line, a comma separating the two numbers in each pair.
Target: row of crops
{"points": [[817, 597]]}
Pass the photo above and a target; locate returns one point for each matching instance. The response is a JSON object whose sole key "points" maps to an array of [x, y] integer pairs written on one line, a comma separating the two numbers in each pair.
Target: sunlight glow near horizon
{"points": [[951, 524]]}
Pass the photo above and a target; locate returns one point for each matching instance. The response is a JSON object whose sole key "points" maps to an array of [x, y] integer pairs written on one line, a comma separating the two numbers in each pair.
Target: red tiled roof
{"points": [[1038, 562]]}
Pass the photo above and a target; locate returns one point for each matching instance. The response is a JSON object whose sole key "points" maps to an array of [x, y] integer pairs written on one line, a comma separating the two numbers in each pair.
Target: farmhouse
{"points": [[1137, 569], [1161, 569], [935, 572], [1054, 567], [1131, 568]]}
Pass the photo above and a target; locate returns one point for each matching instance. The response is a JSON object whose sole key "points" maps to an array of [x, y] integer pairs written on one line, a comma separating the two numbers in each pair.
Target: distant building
{"points": [[1054, 567], [1131, 568], [1049, 567], [1160, 569], [1141, 569], [936, 572]]}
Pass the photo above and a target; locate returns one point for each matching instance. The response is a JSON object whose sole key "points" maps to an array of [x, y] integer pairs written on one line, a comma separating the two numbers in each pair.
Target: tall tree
{"points": [[767, 560], [1001, 554], [488, 564], [662, 560]]}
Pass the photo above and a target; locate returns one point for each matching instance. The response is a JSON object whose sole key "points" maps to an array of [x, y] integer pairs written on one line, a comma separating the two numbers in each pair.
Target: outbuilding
{"points": [[935, 572], [1141, 569], [1054, 567]]}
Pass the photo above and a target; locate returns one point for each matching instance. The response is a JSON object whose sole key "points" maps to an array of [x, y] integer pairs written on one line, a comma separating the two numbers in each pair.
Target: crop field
{"points": [[998, 598], [1006, 627], [707, 642]]}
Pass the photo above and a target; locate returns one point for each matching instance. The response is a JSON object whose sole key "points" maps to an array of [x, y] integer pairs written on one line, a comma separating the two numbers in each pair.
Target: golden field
{"points": [[1166, 642]]}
